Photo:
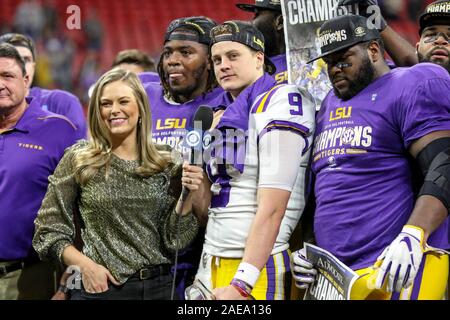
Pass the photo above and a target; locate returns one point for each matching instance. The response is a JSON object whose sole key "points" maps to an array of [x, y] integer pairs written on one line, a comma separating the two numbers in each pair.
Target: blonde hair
{"points": [[97, 153]]}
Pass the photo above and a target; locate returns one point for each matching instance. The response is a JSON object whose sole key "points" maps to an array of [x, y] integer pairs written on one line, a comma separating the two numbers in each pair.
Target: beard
{"points": [[365, 76], [427, 58], [181, 94]]}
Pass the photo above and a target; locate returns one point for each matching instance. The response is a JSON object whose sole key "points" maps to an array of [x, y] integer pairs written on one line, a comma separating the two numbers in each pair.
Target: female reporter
{"points": [[126, 189]]}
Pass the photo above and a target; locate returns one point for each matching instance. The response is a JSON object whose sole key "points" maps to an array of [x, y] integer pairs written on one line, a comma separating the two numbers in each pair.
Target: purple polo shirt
{"points": [[363, 184], [29, 153], [63, 103], [171, 121]]}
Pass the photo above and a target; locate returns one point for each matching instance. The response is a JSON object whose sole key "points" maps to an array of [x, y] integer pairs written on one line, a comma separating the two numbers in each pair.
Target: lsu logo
{"points": [[341, 113], [171, 123], [259, 42], [359, 32], [281, 77]]}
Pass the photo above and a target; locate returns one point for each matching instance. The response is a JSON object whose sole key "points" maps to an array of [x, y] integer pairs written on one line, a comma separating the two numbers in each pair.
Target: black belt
{"points": [[4, 270], [152, 272]]}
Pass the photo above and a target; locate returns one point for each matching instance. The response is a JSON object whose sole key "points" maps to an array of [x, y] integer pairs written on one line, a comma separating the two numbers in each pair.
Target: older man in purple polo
{"points": [[32, 141]]}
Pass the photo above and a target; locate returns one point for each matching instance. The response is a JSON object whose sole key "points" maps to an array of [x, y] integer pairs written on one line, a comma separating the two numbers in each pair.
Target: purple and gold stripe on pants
{"points": [[429, 284], [278, 271], [274, 282]]}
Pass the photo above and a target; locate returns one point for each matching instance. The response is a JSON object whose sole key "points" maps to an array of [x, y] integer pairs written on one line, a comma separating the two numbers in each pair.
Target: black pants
{"points": [[157, 288]]}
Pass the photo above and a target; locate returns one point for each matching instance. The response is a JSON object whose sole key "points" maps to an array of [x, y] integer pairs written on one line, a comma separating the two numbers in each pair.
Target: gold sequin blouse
{"points": [[129, 221]]}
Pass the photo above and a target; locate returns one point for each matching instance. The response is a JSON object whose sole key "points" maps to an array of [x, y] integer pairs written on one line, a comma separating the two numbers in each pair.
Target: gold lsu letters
{"points": [[341, 113], [171, 123]]}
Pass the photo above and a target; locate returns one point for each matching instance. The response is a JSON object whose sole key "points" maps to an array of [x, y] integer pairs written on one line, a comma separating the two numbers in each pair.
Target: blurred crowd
{"points": [[56, 65]]}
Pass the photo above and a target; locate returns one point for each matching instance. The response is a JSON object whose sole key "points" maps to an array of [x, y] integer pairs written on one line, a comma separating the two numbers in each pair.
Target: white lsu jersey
{"points": [[234, 204]]}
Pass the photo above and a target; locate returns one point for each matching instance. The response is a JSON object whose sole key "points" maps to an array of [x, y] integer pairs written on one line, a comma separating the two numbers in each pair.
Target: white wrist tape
{"points": [[247, 273]]}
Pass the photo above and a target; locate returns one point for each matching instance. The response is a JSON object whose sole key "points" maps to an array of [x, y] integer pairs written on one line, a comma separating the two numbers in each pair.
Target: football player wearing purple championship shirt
{"points": [[368, 127], [187, 82]]}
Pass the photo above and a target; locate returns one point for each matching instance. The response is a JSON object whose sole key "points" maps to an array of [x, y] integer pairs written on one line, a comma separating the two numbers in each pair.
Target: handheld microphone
{"points": [[202, 122]]}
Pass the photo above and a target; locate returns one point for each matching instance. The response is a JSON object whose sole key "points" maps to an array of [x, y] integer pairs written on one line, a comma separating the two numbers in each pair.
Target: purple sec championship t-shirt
{"points": [[363, 179]]}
